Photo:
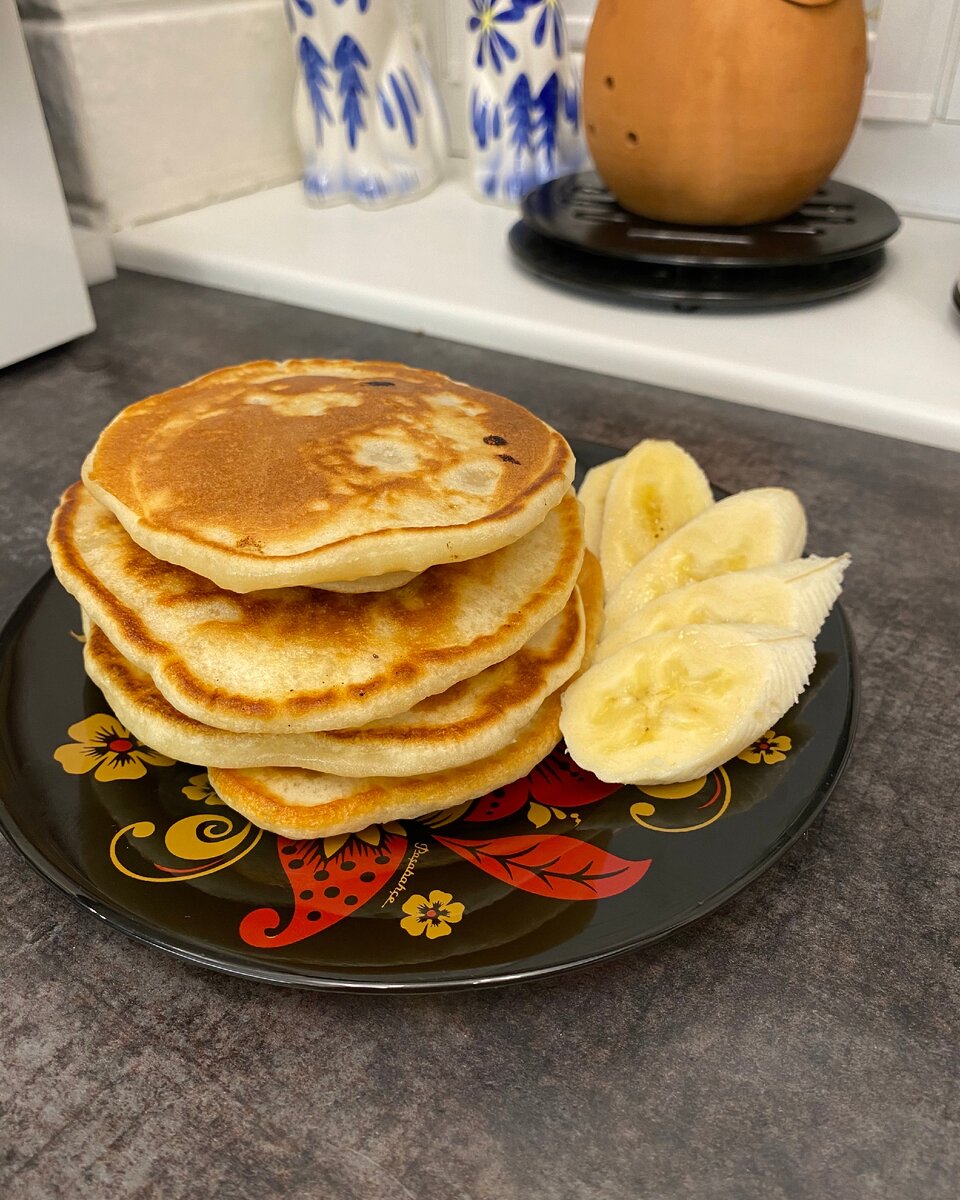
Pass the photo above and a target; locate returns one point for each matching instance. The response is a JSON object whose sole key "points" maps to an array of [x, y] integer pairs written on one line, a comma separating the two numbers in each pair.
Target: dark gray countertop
{"points": [[802, 1042]]}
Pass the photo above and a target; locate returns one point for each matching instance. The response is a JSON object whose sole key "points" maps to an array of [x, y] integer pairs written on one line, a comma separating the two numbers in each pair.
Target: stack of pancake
{"points": [[353, 591]]}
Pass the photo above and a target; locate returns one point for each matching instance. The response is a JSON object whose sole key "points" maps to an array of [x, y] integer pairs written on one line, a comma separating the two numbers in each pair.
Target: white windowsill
{"points": [[886, 359]]}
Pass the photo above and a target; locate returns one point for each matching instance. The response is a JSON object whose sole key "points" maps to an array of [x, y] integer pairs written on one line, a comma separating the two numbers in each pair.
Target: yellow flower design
{"points": [[102, 745], [198, 788], [370, 837], [434, 914], [768, 749]]}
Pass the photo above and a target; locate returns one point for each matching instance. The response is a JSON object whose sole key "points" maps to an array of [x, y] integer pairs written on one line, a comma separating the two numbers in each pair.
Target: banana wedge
{"points": [[657, 488], [593, 495], [793, 595], [672, 707], [750, 529]]}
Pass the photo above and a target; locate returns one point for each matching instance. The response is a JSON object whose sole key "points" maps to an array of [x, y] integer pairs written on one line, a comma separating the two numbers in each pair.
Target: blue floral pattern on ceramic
{"points": [[305, 7], [550, 24], [523, 98], [493, 45], [369, 116]]}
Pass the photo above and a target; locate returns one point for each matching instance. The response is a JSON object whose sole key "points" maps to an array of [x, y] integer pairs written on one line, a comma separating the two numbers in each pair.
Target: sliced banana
{"points": [[593, 495], [750, 529], [793, 595], [657, 488], [674, 706]]}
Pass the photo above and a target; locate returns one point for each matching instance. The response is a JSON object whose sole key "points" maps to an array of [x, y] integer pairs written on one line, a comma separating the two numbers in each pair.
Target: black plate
{"points": [[553, 872]]}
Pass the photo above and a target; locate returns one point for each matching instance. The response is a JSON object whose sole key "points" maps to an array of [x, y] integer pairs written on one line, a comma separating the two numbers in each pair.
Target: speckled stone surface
{"points": [[801, 1043]]}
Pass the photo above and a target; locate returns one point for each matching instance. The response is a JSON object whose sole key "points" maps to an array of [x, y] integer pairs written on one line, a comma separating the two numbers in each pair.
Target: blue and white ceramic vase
{"points": [[523, 98], [368, 112]]}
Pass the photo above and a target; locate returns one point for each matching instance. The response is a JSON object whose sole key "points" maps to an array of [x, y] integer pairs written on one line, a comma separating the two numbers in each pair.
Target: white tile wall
{"points": [[154, 107]]}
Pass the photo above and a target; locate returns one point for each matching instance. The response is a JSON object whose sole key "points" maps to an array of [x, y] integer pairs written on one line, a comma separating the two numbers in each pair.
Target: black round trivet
{"points": [[688, 289], [575, 234]]}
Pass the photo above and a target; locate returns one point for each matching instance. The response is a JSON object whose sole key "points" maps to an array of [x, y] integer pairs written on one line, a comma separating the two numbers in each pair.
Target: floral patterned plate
{"points": [[557, 870]]}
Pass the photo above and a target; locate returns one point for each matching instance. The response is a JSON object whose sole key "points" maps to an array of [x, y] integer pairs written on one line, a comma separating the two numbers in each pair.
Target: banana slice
{"points": [[593, 495], [674, 706], [794, 595], [750, 529], [658, 488]]}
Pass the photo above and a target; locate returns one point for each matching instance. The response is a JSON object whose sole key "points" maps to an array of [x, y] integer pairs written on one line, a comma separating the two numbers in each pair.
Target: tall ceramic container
{"points": [[523, 98], [368, 113], [721, 112]]}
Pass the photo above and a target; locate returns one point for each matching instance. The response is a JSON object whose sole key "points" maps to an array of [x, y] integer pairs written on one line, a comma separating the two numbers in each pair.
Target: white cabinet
{"points": [[43, 299]]}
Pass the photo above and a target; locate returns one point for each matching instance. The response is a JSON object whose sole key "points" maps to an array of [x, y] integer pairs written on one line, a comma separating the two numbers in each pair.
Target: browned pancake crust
{"points": [[419, 614], [517, 676], [203, 464], [377, 800], [471, 709]]}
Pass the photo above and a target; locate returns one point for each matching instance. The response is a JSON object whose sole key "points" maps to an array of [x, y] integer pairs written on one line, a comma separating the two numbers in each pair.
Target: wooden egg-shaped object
{"points": [[721, 112]]}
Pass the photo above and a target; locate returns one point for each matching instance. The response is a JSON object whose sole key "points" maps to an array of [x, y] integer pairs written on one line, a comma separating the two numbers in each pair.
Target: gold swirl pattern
{"points": [[211, 842], [643, 811], [196, 836]]}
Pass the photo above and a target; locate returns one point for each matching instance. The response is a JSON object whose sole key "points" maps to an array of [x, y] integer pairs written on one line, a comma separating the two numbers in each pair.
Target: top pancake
{"points": [[312, 471]]}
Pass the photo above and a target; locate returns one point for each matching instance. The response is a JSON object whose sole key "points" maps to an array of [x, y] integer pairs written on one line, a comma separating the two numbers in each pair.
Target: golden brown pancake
{"points": [[311, 471], [301, 659], [473, 719], [306, 804]]}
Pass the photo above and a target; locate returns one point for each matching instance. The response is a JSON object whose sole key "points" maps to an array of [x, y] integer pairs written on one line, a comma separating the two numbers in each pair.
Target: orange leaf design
{"points": [[562, 868]]}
